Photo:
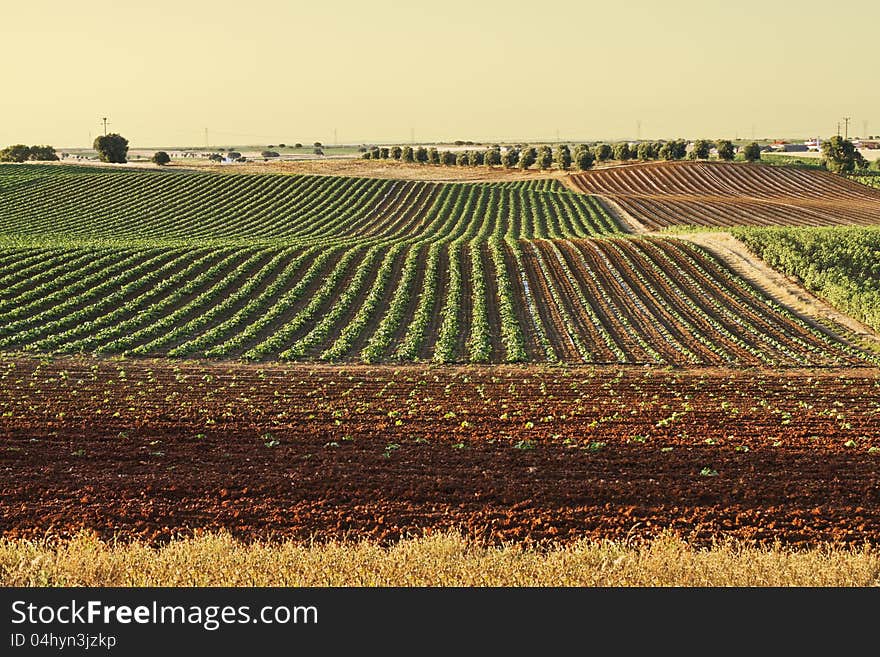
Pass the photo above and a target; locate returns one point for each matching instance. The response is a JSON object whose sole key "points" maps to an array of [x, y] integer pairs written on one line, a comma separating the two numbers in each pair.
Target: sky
{"points": [[270, 71]]}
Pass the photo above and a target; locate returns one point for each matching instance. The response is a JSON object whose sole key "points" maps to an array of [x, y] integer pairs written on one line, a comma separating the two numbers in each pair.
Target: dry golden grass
{"points": [[439, 560]]}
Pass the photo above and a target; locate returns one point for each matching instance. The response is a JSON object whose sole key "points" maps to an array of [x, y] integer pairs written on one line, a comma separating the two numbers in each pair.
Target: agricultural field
{"points": [[840, 264], [506, 453], [657, 196], [332, 357], [355, 269]]}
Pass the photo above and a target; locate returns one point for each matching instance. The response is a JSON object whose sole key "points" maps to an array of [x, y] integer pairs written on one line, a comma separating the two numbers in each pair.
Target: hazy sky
{"points": [[265, 71]]}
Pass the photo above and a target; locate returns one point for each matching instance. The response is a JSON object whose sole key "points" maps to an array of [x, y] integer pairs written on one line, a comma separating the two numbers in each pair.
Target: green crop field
{"points": [[255, 266], [840, 264]]}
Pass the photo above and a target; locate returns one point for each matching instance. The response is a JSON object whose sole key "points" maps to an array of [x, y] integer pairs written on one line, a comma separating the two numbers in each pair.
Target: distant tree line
{"points": [[582, 157], [22, 153]]}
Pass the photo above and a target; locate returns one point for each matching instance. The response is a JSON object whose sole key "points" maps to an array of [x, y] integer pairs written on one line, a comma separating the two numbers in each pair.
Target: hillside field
{"points": [[523, 360]]}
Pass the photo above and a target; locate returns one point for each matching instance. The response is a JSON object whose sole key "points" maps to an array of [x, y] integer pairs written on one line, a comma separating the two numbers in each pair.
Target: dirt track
{"points": [[147, 449]]}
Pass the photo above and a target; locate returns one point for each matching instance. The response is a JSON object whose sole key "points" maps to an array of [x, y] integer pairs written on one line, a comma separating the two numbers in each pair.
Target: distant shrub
{"points": [[161, 158]]}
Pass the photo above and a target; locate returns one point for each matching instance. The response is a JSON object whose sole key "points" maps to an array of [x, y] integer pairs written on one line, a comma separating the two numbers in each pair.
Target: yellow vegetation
{"points": [[439, 560]]}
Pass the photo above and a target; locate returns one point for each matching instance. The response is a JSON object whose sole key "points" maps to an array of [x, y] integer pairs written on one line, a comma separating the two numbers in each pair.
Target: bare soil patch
{"points": [[153, 450]]}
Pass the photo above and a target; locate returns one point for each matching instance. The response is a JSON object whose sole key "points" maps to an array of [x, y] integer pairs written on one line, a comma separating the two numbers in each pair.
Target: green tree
{"points": [[43, 154], [645, 151], [527, 157], [492, 157], [447, 158], [726, 150], [15, 153], [462, 159], [510, 158], [622, 151], [583, 157], [421, 155], [563, 157], [112, 148], [162, 158], [545, 157], [384, 152], [395, 152], [701, 149], [752, 152], [407, 154], [841, 155], [602, 152], [433, 156], [367, 155]]}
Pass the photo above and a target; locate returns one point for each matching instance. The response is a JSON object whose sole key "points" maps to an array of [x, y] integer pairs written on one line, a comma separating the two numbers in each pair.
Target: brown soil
{"points": [[381, 169], [153, 449], [656, 195]]}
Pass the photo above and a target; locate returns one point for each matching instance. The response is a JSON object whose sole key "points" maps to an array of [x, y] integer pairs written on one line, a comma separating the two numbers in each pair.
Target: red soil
{"points": [[151, 450], [724, 194]]}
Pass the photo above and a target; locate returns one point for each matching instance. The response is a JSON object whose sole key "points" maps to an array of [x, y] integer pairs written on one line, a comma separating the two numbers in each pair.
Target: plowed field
{"points": [[147, 449], [724, 194]]}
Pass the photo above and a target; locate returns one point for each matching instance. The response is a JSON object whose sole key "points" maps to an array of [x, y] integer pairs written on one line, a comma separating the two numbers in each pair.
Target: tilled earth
{"points": [[157, 449]]}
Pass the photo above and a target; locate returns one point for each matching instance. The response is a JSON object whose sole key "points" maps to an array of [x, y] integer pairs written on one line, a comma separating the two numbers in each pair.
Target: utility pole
{"points": [[104, 119], [846, 121], [838, 128]]}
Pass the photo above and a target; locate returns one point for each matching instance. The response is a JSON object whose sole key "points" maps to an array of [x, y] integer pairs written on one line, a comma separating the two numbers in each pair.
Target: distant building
{"points": [[785, 147]]}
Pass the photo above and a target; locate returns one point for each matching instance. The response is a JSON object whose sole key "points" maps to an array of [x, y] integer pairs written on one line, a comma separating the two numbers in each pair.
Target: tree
{"points": [[318, 151], [396, 152], [563, 157], [421, 155], [383, 152], [162, 158], [267, 154], [527, 157], [622, 151], [462, 159], [407, 154], [701, 149], [297, 145], [15, 153], [433, 156], [476, 158], [215, 157], [43, 154], [318, 144], [583, 157], [492, 157], [447, 158], [840, 155], [725, 148], [545, 157], [752, 152], [645, 151], [367, 155], [510, 158], [602, 152], [112, 148]]}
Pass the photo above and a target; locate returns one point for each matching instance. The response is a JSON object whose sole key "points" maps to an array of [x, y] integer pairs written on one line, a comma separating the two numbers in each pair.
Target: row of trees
{"points": [[583, 157], [22, 153]]}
